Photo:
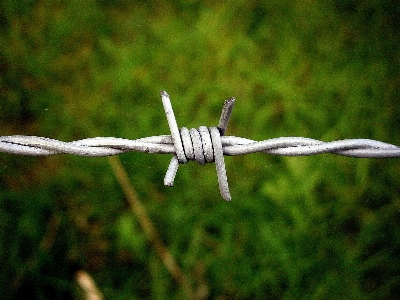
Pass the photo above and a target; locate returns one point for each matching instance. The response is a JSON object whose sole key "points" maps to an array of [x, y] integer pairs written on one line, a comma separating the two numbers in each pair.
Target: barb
{"points": [[204, 145]]}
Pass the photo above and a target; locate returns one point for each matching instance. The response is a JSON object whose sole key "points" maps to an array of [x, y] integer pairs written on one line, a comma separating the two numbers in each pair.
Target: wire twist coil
{"points": [[203, 145]]}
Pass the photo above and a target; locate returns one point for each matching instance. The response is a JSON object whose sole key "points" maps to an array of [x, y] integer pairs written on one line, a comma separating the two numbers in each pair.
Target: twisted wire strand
{"points": [[231, 145], [204, 145]]}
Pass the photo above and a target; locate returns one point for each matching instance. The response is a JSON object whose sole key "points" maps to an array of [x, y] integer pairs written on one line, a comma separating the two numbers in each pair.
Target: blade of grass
{"points": [[88, 285], [148, 227]]}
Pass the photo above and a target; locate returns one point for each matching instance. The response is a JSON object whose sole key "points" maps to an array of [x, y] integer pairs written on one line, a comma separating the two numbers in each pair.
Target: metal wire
{"points": [[205, 144]]}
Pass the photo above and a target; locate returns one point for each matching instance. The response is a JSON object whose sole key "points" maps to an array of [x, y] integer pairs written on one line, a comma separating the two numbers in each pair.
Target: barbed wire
{"points": [[204, 145]]}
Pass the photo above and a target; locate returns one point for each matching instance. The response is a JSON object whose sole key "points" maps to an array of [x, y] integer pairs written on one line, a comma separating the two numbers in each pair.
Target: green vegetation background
{"points": [[320, 227]]}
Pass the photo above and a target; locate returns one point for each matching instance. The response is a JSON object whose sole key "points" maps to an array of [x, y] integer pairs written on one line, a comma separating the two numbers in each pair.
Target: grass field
{"points": [[318, 227]]}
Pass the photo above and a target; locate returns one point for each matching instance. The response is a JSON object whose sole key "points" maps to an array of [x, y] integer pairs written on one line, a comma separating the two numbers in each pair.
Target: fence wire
{"points": [[204, 145]]}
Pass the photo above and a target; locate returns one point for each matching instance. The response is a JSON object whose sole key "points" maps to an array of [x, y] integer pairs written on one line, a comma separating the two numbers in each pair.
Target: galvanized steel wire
{"points": [[204, 145]]}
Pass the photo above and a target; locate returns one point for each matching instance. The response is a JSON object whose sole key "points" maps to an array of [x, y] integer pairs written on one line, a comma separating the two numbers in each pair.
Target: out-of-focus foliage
{"points": [[320, 227]]}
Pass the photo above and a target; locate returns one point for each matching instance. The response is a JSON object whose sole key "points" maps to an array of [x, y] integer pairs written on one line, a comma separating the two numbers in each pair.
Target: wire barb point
{"points": [[226, 114], [202, 145]]}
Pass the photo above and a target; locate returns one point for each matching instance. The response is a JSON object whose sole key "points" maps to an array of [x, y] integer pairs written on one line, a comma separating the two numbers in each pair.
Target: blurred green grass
{"points": [[321, 227]]}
